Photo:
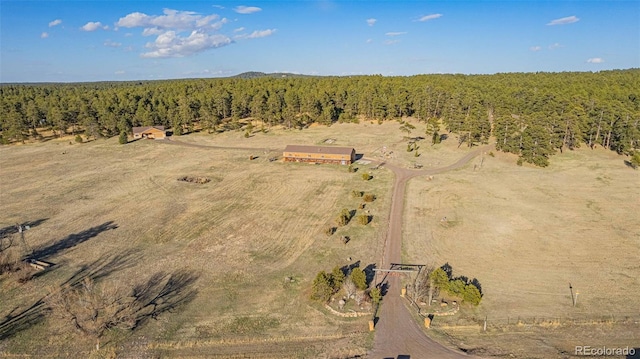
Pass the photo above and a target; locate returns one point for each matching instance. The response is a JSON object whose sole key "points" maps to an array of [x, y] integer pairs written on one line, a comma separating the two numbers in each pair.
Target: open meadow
{"points": [[230, 262], [222, 250], [526, 234]]}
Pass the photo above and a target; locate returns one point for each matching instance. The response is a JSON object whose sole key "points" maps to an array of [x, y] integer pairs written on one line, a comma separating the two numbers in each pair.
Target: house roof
{"points": [[147, 128], [320, 149]]}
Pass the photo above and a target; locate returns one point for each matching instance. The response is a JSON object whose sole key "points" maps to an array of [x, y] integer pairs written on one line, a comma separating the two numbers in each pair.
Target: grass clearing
{"points": [[120, 214], [526, 233]]}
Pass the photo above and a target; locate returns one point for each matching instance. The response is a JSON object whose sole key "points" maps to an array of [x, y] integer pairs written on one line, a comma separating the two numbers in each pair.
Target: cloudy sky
{"points": [[69, 41]]}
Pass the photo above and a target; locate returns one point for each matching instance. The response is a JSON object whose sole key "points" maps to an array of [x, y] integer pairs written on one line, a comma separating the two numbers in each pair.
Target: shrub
{"points": [[330, 230], [375, 295], [359, 278], [123, 138], [337, 278], [78, 139], [344, 217], [352, 169], [357, 194], [635, 160], [369, 197], [439, 278], [492, 154], [364, 219], [366, 176], [471, 294], [322, 288]]}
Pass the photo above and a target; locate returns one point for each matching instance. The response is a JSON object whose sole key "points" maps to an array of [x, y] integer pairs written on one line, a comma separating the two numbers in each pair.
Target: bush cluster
{"points": [[457, 287]]}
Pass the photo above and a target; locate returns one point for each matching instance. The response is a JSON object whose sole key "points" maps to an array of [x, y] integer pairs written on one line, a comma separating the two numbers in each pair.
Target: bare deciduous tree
{"points": [[349, 287], [92, 309]]}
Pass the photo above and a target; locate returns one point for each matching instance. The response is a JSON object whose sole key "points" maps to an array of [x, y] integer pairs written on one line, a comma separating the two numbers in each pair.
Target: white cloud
{"points": [[119, 72], [555, 46], [564, 21], [535, 48], [595, 60], [44, 35], [55, 22], [246, 9], [391, 42], [397, 33], [172, 19], [149, 31], [430, 17], [170, 44], [110, 43], [262, 33], [240, 29], [371, 21], [369, 41], [93, 26]]}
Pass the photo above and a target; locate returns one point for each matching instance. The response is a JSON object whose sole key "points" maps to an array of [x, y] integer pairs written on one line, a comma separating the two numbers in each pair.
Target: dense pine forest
{"points": [[533, 115]]}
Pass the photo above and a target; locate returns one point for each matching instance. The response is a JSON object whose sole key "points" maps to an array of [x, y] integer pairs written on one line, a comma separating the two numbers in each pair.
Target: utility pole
{"points": [[573, 298], [25, 248]]}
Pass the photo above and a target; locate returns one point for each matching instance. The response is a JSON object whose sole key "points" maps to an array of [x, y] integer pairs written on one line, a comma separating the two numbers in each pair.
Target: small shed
{"points": [[319, 154], [155, 132]]}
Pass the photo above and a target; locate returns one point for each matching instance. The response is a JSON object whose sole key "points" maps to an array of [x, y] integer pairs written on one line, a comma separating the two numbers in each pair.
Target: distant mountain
{"points": [[257, 74]]}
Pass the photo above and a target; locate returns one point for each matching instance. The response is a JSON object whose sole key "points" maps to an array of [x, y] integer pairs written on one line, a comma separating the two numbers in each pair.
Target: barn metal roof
{"points": [[320, 149]]}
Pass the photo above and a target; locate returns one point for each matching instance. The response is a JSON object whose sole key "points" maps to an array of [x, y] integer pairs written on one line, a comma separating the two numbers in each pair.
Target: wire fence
{"points": [[488, 321], [542, 321]]}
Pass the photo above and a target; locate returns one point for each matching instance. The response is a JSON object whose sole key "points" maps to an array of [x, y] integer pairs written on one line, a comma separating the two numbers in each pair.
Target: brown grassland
{"points": [[117, 213], [527, 233]]}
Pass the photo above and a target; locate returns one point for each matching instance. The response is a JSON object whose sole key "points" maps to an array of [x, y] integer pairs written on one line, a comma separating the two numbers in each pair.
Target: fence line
{"points": [[580, 318]]}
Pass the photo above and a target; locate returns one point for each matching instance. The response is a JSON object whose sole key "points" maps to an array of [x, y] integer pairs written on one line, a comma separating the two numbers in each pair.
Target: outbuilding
{"points": [[155, 132], [319, 154]]}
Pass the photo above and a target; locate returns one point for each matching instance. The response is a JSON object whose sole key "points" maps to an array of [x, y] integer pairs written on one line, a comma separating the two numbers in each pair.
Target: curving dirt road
{"points": [[397, 333]]}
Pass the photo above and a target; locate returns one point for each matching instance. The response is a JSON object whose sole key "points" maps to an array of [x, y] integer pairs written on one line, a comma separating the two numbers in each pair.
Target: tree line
{"points": [[533, 115]]}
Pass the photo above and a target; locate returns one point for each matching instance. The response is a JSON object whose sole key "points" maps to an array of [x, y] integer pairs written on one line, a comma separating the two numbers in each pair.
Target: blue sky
{"points": [[69, 41]]}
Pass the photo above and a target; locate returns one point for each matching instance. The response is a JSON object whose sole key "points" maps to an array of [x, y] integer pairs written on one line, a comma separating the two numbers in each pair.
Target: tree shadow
{"points": [[163, 292], [630, 165], [448, 269], [103, 267], [71, 241], [13, 229], [369, 272], [21, 319], [8, 231], [384, 288], [349, 267]]}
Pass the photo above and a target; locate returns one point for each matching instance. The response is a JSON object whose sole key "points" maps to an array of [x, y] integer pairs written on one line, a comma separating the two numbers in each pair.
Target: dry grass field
{"points": [[118, 214], [525, 233]]}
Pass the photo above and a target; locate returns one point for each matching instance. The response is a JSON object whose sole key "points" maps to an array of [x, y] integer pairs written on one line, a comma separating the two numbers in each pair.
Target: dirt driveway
{"points": [[397, 333]]}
